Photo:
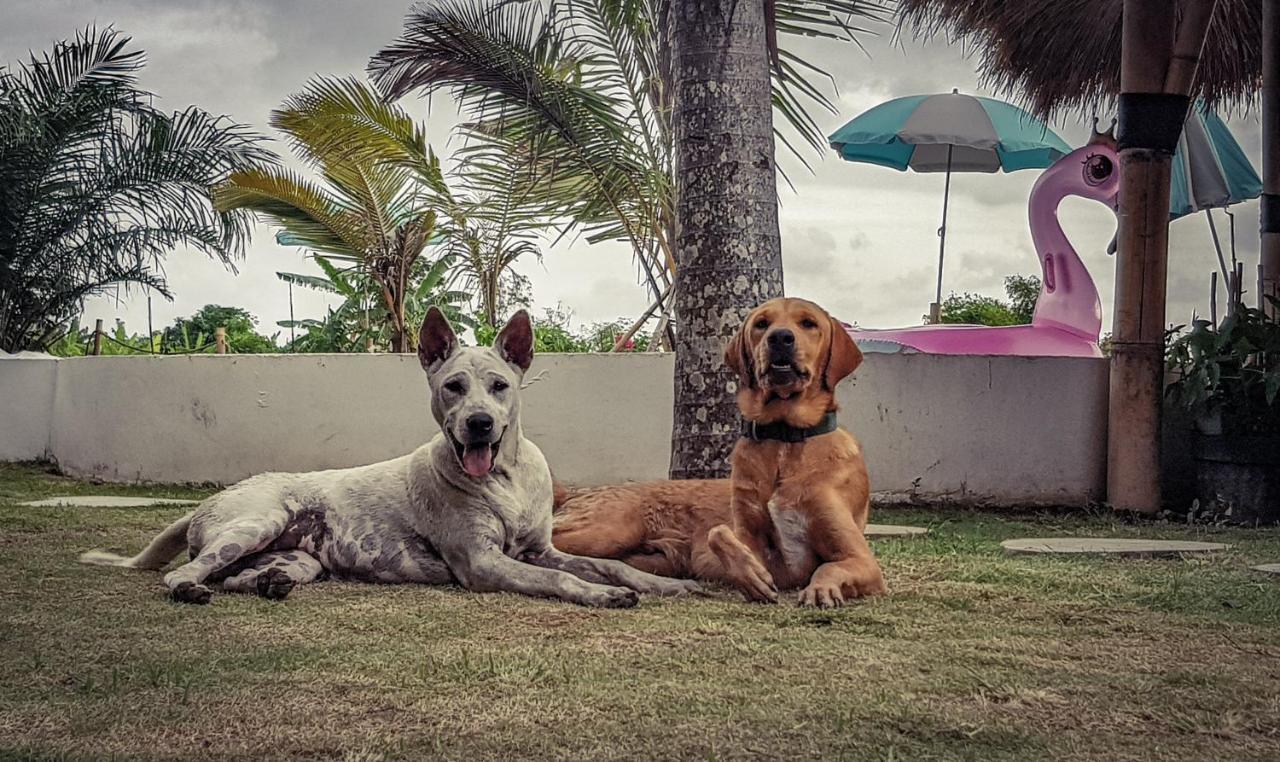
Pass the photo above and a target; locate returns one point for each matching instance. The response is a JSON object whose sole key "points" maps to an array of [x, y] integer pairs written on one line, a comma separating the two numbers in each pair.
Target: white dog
{"points": [[473, 505]]}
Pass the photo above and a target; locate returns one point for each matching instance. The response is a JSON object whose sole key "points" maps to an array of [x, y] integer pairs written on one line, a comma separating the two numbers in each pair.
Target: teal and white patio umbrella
{"points": [[1211, 171], [948, 133]]}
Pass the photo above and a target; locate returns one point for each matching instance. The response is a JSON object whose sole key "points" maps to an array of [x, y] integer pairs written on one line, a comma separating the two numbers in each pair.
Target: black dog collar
{"points": [[785, 432]]}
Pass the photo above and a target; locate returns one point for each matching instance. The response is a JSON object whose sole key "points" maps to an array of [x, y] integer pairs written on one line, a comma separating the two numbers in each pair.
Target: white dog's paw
{"points": [[612, 597], [191, 592], [678, 587]]}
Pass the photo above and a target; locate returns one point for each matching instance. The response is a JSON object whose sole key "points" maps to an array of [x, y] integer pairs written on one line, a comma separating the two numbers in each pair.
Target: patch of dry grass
{"points": [[975, 655]]}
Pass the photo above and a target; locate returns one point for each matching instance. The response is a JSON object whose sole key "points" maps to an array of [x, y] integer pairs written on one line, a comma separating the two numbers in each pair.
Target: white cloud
{"points": [[860, 239]]}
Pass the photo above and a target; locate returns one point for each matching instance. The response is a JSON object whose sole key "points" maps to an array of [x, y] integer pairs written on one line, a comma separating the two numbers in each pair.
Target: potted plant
{"points": [[1228, 378]]}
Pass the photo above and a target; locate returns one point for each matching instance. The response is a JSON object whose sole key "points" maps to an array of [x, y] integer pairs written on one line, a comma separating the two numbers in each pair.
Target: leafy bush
{"points": [[552, 333], [78, 342], [1232, 371], [974, 309], [185, 336], [358, 324]]}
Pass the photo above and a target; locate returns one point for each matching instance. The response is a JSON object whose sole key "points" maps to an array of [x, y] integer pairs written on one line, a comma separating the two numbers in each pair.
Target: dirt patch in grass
{"points": [[975, 655]]}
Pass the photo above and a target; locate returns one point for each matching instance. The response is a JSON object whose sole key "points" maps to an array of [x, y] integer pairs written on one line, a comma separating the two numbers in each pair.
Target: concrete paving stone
{"points": [[1111, 546]]}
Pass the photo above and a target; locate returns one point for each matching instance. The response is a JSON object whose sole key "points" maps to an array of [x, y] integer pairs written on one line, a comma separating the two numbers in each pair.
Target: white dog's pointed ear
{"points": [[436, 340], [515, 341]]}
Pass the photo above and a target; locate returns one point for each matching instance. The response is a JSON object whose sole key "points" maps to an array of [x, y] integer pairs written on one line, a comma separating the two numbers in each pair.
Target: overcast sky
{"points": [[859, 239]]}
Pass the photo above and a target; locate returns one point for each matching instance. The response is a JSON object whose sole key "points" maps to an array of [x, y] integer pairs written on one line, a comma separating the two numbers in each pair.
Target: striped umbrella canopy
{"points": [[1210, 169], [949, 132]]}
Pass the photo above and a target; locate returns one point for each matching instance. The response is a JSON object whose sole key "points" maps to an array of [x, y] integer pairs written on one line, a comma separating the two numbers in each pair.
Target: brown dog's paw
{"points": [[822, 595], [191, 592], [867, 584], [868, 588], [274, 584], [741, 566]]}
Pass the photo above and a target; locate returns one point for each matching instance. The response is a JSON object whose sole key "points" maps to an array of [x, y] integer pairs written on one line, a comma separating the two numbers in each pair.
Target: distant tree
{"points": [[975, 309], [242, 334], [1023, 291], [97, 186]]}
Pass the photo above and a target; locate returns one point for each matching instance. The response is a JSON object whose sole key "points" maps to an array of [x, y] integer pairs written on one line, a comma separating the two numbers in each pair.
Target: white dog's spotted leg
{"points": [[274, 574], [230, 544], [609, 572]]}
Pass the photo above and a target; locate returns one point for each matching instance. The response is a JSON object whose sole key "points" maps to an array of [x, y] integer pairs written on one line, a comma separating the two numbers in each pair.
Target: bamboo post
{"points": [[97, 337], [1159, 57], [220, 340], [1213, 298], [1271, 147]]}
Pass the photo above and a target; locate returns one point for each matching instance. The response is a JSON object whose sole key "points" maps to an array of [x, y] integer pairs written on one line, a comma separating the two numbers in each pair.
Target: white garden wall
{"points": [[998, 430]]}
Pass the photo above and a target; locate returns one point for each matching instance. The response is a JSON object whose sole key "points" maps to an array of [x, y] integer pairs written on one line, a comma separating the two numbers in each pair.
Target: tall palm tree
{"points": [[371, 210], [97, 186], [384, 200], [729, 248], [584, 93]]}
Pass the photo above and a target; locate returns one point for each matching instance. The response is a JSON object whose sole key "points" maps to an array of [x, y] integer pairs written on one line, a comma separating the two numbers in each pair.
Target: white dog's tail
{"points": [[162, 549]]}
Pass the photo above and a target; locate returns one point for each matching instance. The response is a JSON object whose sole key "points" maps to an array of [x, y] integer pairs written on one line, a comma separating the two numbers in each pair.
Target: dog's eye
{"points": [[761, 324], [500, 385], [809, 323], [455, 387]]}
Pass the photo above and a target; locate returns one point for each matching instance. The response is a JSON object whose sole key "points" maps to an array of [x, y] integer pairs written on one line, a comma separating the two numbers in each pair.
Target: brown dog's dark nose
{"points": [[782, 339]]}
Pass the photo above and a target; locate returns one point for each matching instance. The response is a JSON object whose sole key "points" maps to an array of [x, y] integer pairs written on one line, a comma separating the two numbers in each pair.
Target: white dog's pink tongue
{"points": [[477, 460]]}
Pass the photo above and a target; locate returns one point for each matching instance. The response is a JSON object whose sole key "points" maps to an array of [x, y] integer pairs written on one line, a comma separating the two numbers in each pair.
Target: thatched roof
{"points": [[1064, 55]]}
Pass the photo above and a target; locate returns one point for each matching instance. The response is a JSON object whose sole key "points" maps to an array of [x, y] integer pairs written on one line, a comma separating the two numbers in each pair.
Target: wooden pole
{"points": [[1158, 56], [97, 337], [1187, 46], [1271, 147], [220, 340]]}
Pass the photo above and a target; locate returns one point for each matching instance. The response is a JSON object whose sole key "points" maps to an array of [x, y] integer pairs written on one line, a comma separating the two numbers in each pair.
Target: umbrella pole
{"points": [[1217, 245], [935, 310]]}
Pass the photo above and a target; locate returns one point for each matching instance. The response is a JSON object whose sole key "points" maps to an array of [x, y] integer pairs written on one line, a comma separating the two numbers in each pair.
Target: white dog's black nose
{"points": [[479, 424]]}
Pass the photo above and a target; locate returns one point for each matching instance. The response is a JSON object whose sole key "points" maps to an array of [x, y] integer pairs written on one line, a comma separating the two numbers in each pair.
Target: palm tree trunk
{"points": [[727, 248]]}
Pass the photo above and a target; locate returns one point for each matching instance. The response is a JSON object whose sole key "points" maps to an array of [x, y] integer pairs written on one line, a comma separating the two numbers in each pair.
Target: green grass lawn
{"points": [[973, 655]]}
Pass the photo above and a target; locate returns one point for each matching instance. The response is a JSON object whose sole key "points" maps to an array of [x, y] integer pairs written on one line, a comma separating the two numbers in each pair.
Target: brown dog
{"points": [[794, 510]]}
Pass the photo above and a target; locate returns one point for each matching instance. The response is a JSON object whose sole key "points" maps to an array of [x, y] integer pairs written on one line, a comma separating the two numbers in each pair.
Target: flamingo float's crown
{"points": [[1106, 137]]}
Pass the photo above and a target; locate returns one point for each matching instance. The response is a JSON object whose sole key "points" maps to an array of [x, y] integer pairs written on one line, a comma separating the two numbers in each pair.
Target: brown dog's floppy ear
{"points": [[737, 355], [843, 356], [515, 341], [436, 340]]}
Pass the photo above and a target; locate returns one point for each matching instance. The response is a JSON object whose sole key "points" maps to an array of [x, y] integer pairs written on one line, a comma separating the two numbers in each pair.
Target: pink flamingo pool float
{"points": [[1068, 316]]}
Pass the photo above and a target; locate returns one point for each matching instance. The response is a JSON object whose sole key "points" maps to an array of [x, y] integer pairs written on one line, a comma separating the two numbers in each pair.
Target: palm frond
{"points": [[308, 281], [309, 213]]}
